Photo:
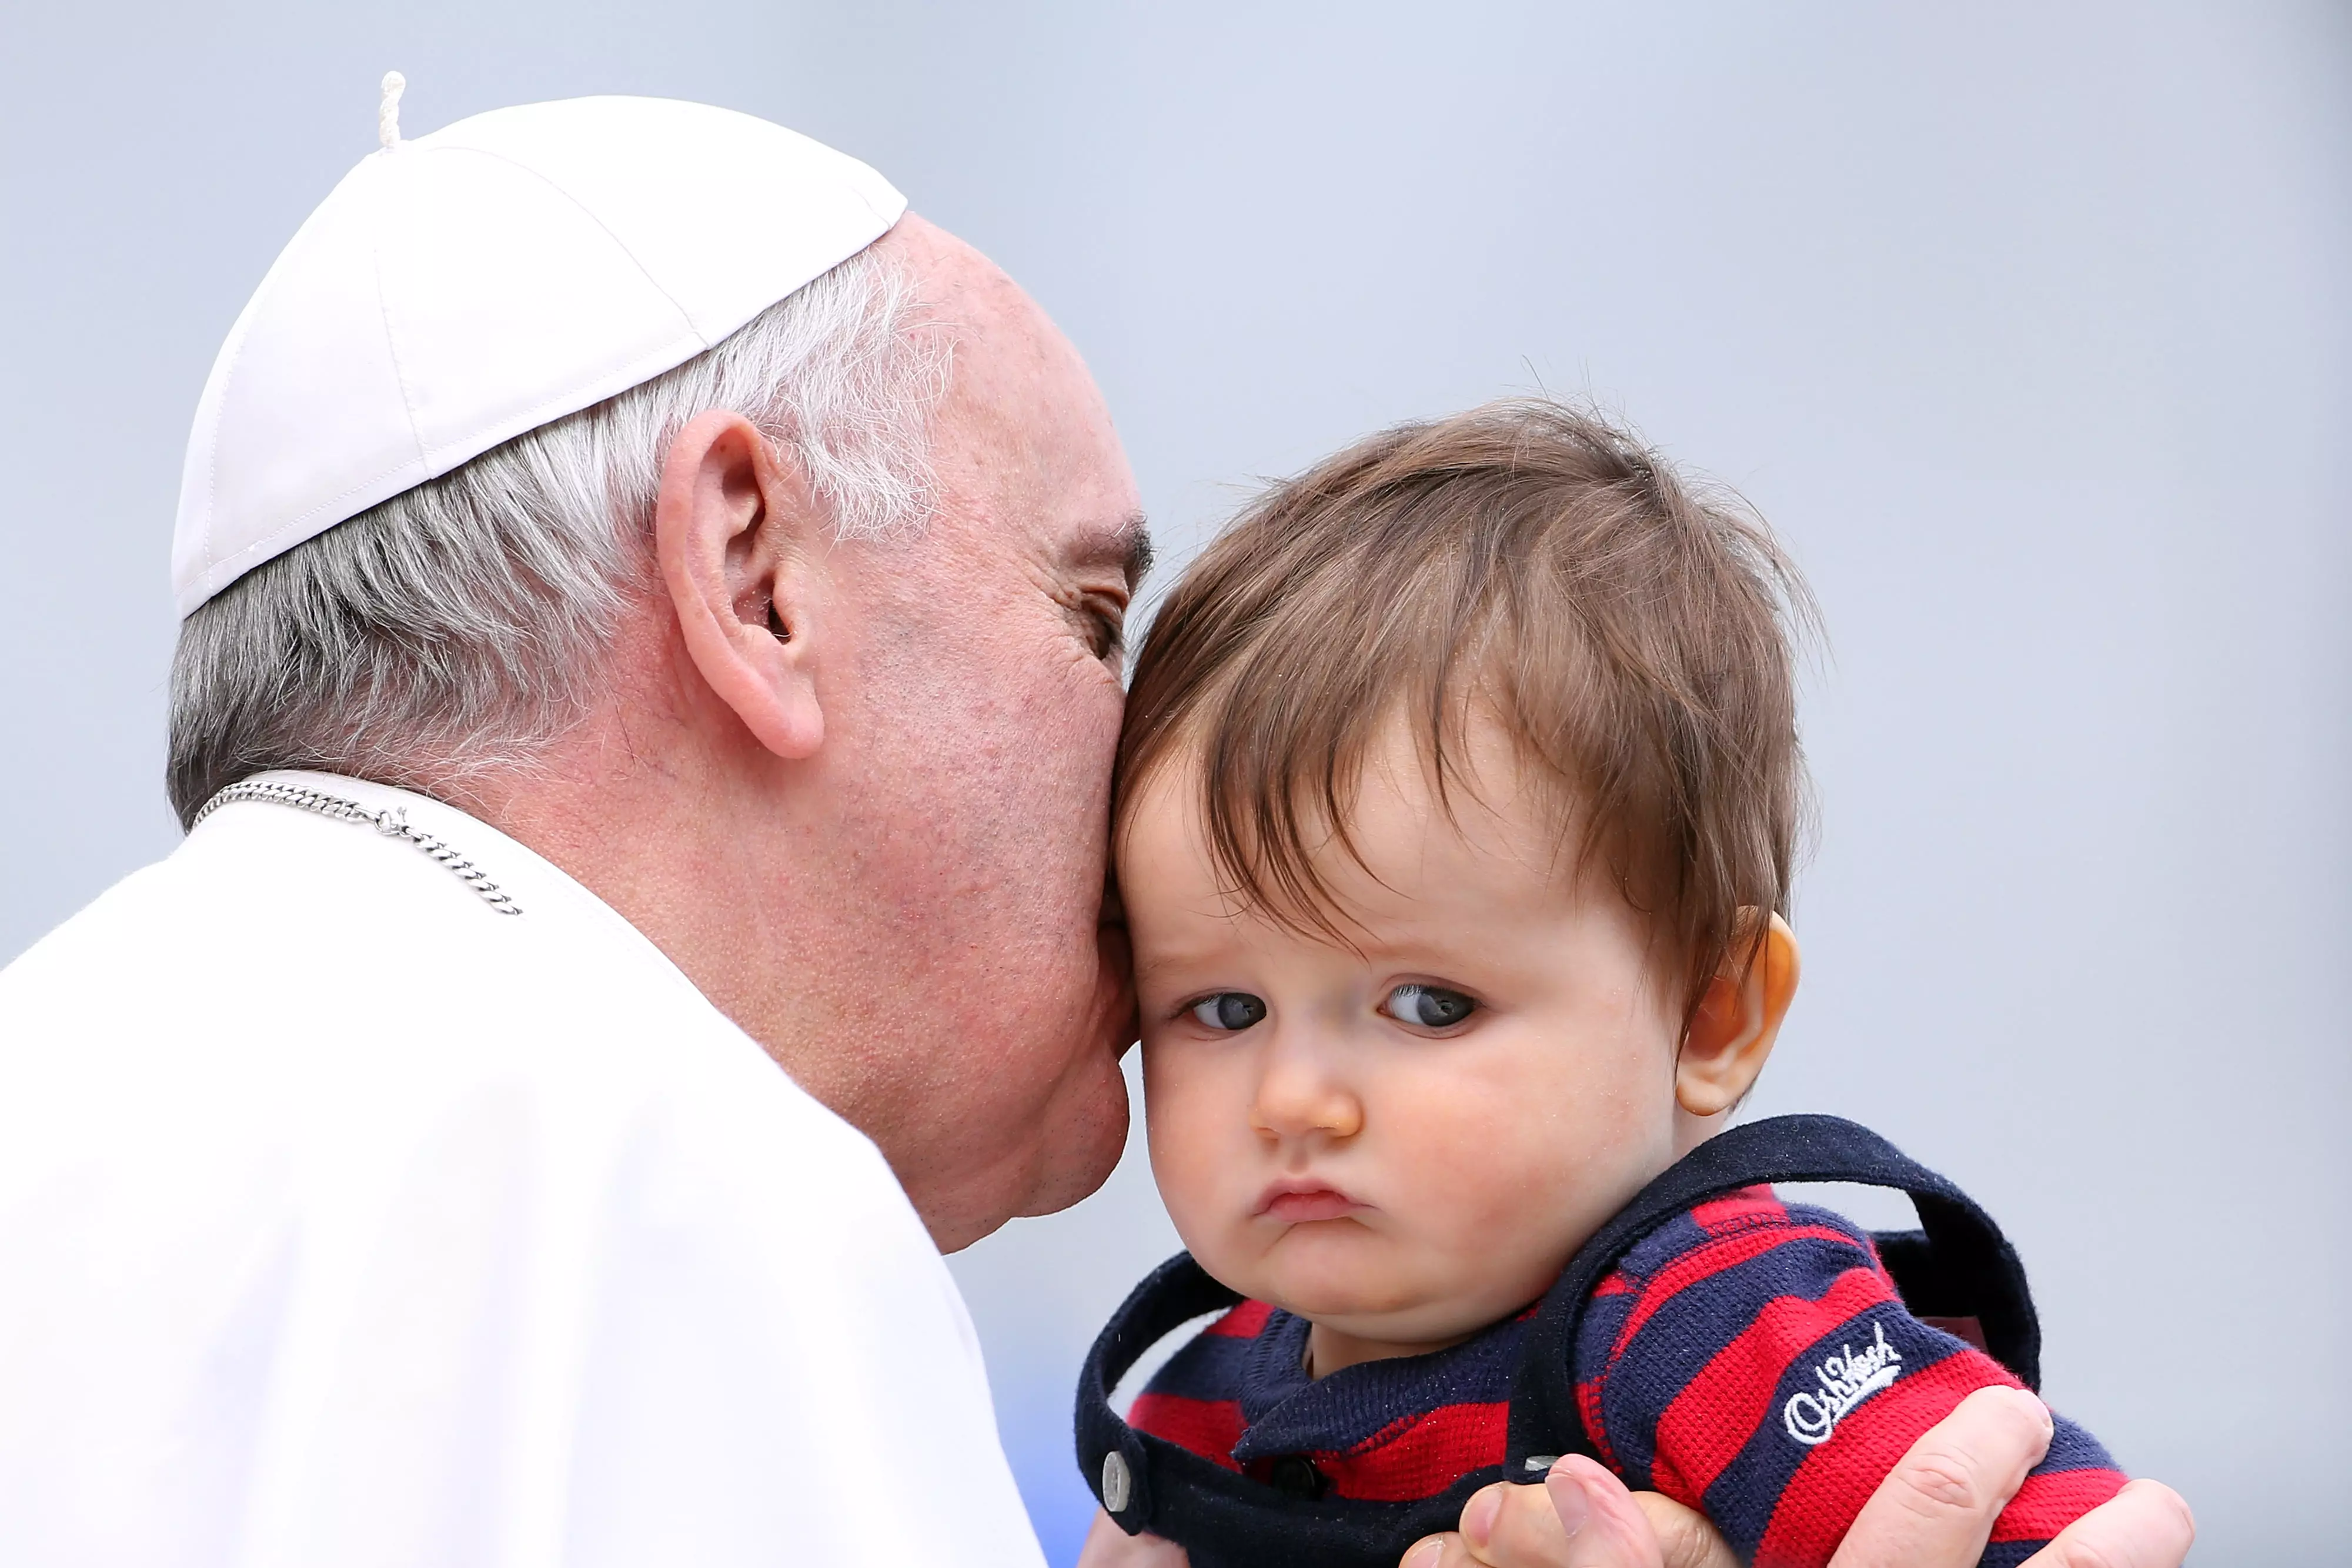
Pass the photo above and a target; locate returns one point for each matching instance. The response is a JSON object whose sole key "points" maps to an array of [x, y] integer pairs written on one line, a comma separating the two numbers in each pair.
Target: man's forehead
{"points": [[1023, 425]]}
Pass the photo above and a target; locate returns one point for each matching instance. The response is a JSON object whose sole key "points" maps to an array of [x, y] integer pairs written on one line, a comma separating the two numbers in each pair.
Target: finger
{"points": [[1686, 1539], [1605, 1526], [2146, 1525], [1108, 1546], [1506, 1526], [1447, 1551], [1937, 1509], [1583, 1517]]}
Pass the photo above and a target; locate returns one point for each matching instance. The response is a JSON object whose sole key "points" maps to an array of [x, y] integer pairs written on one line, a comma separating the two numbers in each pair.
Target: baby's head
{"points": [[1455, 814]]}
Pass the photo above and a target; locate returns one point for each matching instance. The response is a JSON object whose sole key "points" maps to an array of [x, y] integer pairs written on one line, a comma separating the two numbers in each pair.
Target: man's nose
{"points": [[1300, 1095]]}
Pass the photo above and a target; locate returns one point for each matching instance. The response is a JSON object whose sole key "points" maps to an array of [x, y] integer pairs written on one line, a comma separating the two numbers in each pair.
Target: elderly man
{"points": [[644, 713]]}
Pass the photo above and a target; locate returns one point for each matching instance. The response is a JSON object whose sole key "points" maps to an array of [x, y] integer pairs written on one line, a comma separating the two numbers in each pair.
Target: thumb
{"points": [[1685, 1536], [1605, 1528]]}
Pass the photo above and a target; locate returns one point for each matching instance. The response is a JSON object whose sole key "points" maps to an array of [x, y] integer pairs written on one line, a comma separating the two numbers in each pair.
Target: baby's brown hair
{"points": [[1634, 635]]}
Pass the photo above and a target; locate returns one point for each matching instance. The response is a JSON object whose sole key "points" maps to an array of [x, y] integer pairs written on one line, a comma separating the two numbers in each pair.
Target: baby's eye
{"points": [[1229, 1011], [1430, 1006]]}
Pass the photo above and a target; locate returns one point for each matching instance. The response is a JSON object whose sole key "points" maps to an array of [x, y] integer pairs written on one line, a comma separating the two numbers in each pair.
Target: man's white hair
{"points": [[458, 628]]}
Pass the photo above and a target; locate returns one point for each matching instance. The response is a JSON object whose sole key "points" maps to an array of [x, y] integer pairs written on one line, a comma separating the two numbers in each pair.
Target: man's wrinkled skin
{"points": [[858, 793]]}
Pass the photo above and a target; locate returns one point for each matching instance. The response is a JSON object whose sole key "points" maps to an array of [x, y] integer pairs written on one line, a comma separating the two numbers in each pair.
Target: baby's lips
{"points": [[1303, 1203]]}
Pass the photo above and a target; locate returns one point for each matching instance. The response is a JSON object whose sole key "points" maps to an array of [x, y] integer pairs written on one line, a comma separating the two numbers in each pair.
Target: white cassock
{"points": [[345, 1220]]}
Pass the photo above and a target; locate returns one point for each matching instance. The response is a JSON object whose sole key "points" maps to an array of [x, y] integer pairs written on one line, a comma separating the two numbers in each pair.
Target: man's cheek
{"points": [[1076, 694]]}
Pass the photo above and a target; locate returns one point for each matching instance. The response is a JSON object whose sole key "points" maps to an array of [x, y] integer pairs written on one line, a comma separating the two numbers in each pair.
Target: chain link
{"points": [[391, 823]]}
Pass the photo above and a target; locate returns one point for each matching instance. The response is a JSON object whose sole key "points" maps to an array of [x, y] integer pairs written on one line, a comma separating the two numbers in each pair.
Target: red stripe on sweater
{"points": [[1244, 1321], [1709, 1258], [1749, 1206], [2047, 1504], [1208, 1428], [1819, 1504], [1420, 1456], [1719, 1410]]}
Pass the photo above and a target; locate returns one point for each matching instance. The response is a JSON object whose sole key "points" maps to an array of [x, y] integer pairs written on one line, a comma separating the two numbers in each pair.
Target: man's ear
{"points": [[735, 534], [1732, 1029]]}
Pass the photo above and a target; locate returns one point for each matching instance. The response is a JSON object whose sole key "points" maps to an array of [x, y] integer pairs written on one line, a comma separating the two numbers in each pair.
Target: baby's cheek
{"points": [[1511, 1190], [1466, 1166]]}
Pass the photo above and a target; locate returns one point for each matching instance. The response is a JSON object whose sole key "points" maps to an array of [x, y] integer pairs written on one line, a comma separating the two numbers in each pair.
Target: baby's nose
{"points": [[1299, 1097]]}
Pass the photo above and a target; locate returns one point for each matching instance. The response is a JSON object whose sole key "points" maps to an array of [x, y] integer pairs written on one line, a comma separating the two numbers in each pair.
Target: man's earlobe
{"points": [[1734, 1027], [735, 533]]}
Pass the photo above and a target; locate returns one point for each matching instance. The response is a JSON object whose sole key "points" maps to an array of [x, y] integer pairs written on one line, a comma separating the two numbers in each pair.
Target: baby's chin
{"points": [[1357, 1297]]}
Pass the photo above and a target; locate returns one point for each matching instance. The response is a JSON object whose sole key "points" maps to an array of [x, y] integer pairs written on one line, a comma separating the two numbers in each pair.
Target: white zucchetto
{"points": [[455, 291]]}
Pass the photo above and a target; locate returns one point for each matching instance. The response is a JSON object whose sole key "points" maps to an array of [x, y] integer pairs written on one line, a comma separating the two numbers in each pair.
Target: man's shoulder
{"points": [[315, 989], [268, 921], [297, 1026], [57, 967], [299, 1134]]}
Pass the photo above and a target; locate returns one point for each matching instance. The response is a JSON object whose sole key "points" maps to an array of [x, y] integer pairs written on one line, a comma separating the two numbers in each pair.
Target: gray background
{"points": [[2028, 324]]}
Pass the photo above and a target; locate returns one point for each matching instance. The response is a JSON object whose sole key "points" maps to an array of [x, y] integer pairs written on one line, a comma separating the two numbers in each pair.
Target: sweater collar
{"points": [[1285, 1411]]}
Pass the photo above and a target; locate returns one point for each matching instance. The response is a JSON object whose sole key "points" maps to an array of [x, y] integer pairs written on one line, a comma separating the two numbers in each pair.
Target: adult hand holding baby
{"points": [[1934, 1510]]}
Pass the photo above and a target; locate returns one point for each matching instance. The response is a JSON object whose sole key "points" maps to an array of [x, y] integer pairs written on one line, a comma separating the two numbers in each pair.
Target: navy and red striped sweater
{"points": [[1752, 1360]]}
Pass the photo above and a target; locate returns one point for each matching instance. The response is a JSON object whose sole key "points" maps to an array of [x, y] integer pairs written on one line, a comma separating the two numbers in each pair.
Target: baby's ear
{"points": [[1733, 1028]]}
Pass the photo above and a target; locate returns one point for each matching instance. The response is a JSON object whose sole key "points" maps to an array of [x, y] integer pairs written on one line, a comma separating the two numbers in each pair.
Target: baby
{"points": [[1455, 819]]}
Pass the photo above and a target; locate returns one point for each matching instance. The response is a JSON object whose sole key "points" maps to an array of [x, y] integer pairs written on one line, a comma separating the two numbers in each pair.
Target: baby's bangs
{"points": [[1282, 740]]}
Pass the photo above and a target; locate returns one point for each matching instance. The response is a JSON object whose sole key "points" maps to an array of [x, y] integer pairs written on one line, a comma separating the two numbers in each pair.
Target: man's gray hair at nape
{"points": [[458, 628]]}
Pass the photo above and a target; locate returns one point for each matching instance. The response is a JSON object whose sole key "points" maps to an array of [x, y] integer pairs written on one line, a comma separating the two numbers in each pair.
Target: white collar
{"points": [[554, 902]]}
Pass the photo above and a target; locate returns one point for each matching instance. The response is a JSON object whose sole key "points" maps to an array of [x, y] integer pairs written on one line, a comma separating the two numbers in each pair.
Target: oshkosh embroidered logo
{"points": [[1846, 1379]]}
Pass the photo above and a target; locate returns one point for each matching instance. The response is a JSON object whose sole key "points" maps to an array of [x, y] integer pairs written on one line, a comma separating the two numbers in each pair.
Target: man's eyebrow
{"points": [[1126, 544]]}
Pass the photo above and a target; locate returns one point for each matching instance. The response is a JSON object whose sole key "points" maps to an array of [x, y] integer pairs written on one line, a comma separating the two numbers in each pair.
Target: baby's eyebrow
{"points": [[1157, 965], [1183, 960]]}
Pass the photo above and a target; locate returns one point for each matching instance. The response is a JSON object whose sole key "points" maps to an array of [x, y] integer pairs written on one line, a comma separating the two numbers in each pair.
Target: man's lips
{"points": [[1297, 1202]]}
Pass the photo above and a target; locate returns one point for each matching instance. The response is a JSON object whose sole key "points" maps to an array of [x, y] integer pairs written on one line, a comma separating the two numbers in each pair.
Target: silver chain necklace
{"points": [[391, 823]]}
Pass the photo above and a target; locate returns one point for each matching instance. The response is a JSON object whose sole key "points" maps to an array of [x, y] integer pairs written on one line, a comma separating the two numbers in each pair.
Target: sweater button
{"points": [[1117, 1483], [1295, 1475]]}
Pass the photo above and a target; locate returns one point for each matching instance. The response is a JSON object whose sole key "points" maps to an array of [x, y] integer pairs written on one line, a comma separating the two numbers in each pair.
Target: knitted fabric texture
{"points": [[1748, 1359], [1386, 1431]]}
